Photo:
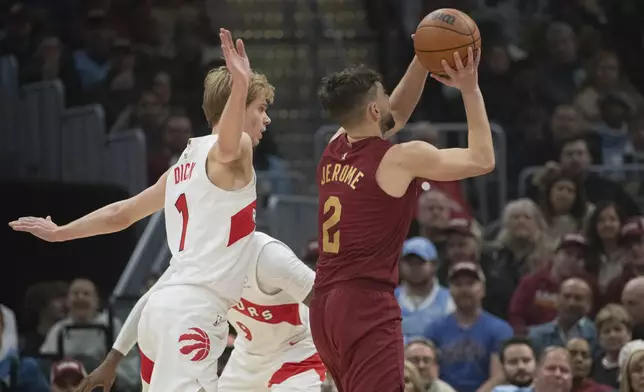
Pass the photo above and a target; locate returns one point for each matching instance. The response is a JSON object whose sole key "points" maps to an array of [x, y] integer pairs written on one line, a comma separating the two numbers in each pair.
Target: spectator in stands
{"points": [[604, 76], [432, 215], [633, 301], [17, 41], [146, 114], [18, 373], [606, 255], [554, 372], [632, 372], [519, 365], [574, 303], [563, 203], [176, 132], [632, 235], [613, 129], [412, 379], [470, 338], [9, 331], [66, 375], [634, 149], [92, 61], [534, 301], [614, 330], [44, 306], [423, 354], [582, 362], [421, 297]]}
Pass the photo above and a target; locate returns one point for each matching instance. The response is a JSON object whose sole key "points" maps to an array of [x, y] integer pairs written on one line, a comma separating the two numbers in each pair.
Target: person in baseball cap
{"points": [[66, 375]]}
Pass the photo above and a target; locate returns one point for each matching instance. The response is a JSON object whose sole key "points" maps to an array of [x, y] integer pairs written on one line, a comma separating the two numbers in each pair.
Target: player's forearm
{"points": [[479, 135], [231, 124], [406, 95], [108, 219]]}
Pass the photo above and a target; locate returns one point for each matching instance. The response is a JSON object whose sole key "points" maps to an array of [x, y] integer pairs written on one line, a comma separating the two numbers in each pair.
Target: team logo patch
{"points": [[196, 343]]}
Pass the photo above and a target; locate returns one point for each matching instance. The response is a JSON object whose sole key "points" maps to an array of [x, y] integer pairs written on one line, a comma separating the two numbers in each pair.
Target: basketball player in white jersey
{"points": [[274, 350], [209, 201]]}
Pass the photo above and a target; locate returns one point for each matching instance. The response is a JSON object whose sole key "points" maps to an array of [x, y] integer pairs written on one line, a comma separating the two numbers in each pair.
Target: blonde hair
{"points": [[625, 371], [414, 377], [217, 87], [613, 313]]}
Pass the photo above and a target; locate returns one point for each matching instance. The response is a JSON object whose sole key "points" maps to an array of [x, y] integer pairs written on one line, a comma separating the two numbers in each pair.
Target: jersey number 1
{"points": [[182, 207], [331, 243]]}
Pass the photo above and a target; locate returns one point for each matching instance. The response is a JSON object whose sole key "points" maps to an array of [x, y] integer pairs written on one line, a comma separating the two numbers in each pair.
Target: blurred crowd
{"points": [[550, 298]]}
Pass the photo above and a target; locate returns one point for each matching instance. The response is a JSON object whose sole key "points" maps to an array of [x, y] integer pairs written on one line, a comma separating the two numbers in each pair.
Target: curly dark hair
{"points": [[579, 205]]}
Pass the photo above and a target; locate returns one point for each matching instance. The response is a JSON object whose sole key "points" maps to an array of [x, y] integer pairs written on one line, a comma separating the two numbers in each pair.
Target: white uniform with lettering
{"points": [[182, 330], [273, 350]]}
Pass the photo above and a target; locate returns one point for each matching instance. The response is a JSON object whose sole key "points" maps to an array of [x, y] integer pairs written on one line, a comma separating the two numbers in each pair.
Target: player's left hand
{"points": [[235, 55], [103, 376], [43, 228], [464, 77]]}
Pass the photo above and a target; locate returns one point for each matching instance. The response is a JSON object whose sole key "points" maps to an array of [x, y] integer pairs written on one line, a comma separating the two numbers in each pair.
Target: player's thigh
{"points": [[323, 331], [188, 345], [238, 376], [308, 381]]}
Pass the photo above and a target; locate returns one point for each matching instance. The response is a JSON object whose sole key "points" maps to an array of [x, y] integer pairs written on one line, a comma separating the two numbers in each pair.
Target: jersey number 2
{"points": [[331, 243], [182, 207]]}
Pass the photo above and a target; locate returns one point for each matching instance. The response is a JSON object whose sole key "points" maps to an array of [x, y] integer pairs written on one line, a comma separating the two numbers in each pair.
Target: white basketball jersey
{"points": [[207, 227], [267, 324]]}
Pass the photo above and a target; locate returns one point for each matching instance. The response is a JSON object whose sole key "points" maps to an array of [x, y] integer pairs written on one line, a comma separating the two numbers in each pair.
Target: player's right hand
{"points": [[103, 376], [235, 55], [43, 228]]}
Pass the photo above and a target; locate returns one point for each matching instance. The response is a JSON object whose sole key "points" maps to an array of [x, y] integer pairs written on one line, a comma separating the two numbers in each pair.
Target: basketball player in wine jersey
{"points": [[367, 191], [274, 350], [209, 201]]}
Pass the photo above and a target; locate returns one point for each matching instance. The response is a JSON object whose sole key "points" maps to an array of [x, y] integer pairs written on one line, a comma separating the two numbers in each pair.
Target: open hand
{"points": [[102, 376], [235, 56], [43, 228], [464, 77]]}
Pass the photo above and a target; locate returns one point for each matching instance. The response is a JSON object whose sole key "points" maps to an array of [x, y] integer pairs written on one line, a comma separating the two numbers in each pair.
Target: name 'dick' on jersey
{"points": [[207, 227]]}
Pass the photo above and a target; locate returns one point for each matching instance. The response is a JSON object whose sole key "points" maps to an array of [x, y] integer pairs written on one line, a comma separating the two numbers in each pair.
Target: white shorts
{"points": [[291, 371], [181, 334]]}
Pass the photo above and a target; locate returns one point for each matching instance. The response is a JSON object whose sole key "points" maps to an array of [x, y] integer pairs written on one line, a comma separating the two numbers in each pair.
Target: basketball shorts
{"points": [[294, 370], [358, 334], [181, 334]]}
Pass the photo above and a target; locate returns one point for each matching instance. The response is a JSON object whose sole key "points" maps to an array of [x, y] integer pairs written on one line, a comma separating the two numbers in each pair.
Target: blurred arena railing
{"points": [[483, 190]]}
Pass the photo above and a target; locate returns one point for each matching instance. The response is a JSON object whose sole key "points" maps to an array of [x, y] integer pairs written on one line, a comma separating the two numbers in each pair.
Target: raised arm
{"points": [[405, 97], [109, 219], [421, 159], [230, 127]]}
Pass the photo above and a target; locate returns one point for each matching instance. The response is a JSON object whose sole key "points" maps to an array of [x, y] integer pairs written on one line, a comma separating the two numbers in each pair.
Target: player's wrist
{"points": [[471, 90], [114, 357]]}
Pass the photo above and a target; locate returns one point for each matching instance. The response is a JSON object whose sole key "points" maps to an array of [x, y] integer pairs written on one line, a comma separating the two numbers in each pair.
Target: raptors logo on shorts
{"points": [[196, 343]]}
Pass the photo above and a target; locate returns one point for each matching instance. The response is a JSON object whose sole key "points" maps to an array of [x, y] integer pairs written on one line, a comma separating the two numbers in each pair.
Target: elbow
{"points": [[484, 165], [118, 219]]}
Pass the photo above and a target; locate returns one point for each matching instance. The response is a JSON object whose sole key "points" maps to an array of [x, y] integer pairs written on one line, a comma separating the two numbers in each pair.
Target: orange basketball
{"points": [[442, 33]]}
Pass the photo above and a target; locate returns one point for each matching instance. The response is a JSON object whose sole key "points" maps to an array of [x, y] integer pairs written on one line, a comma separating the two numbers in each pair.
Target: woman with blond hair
{"points": [[632, 372]]}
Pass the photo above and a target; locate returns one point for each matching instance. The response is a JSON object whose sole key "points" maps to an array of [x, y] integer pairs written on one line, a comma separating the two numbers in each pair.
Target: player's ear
{"points": [[374, 111]]}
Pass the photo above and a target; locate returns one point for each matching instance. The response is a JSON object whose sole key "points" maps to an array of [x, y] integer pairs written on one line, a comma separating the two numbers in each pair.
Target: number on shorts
{"points": [[246, 331], [331, 243], [182, 207]]}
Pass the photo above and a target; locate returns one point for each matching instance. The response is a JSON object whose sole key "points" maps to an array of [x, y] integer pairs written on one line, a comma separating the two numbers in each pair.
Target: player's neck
{"points": [[363, 132]]}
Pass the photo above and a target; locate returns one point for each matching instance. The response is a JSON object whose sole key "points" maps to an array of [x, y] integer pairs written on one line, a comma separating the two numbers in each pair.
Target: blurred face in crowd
{"points": [[177, 132], [636, 253], [582, 360], [49, 49], [608, 224], [497, 60], [162, 87], [636, 371], [633, 299], [417, 271], [562, 43], [575, 158], [555, 372], [82, 300], [55, 309], [613, 335], [562, 196], [565, 122], [607, 71], [149, 108], [615, 114], [424, 358], [521, 224], [433, 210], [569, 261], [519, 365], [461, 247], [467, 292], [574, 299]]}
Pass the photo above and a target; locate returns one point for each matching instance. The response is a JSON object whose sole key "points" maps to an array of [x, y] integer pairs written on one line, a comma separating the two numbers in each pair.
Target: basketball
{"points": [[442, 33]]}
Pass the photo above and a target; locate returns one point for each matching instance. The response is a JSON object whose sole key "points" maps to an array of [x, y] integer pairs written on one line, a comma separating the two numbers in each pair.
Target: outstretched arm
{"points": [[109, 219], [406, 95]]}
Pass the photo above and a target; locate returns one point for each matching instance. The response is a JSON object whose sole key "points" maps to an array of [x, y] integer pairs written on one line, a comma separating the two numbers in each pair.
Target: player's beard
{"points": [[387, 123]]}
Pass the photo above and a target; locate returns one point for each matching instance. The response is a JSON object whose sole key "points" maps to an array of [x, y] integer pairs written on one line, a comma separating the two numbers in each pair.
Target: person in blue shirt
{"points": [[470, 338], [421, 298]]}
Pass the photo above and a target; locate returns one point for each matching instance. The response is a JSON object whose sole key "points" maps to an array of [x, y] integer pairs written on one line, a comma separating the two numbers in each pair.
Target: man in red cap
{"points": [[66, 375]]}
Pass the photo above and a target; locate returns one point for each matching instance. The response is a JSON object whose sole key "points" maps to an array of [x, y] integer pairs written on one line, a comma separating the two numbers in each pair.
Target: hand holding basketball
{"points": [[235, 55], [43, 228], [463, 77]]}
